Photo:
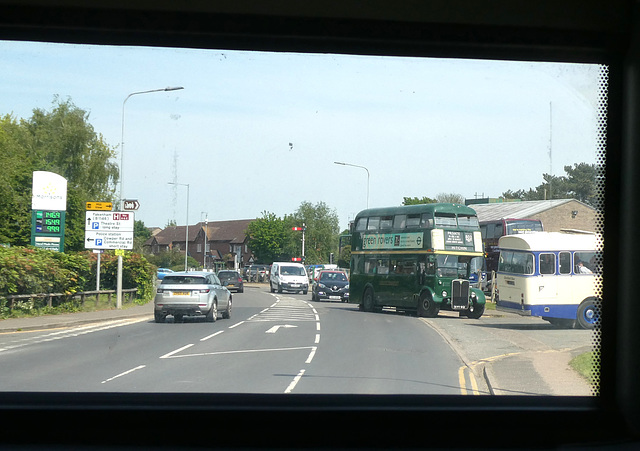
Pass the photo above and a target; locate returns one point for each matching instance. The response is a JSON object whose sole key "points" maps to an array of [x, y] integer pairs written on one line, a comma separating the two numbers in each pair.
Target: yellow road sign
{"points": [[99, 206]]}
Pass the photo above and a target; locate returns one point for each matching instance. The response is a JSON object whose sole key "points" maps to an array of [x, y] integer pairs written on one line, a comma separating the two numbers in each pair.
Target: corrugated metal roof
{"points": [[518, 210]]}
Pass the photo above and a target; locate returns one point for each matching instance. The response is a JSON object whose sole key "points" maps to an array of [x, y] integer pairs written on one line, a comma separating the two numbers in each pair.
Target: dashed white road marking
{"points": [[124, 374], [295, 381], [166, 356]]}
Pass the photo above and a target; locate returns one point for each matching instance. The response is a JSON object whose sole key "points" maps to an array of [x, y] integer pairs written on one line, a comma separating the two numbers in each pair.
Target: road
{"points": [[284, 343], [273, 343]]}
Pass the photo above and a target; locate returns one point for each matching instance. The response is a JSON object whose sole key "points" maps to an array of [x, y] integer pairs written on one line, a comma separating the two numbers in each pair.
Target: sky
{"points": [[255, 132]]}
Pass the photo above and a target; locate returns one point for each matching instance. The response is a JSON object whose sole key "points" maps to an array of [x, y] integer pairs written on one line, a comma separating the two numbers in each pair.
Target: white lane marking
{"points": [[274, 329], [166, 356], [236, 325], [211, 336], [67, 333], [295, 381], [124, 374], [311, 354], [243, 351], [317, 338], [318, 326]]}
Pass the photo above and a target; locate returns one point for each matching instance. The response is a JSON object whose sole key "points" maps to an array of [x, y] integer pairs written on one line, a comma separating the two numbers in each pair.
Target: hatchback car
{"points": [[192, 293], [232, 280], [331, 285]]}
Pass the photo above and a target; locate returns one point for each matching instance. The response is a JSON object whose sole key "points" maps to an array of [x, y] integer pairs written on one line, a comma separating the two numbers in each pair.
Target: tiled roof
{"points": [[229, 231]]}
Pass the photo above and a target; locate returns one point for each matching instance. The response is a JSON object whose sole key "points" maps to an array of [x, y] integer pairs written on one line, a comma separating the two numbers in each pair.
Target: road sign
{"points": [[130, 205], [113, 221], [99, 206], [94, 239]]}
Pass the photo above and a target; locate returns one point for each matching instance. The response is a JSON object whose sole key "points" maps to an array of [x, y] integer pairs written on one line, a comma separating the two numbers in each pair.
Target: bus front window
{"points": [[447, 266]]}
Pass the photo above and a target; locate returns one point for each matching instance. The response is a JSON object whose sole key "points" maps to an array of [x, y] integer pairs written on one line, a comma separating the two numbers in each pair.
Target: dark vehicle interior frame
{"points": [[590, 31]]}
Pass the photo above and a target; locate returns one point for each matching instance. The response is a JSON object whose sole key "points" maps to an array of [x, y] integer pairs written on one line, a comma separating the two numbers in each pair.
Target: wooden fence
{"points": [[131, 292]]}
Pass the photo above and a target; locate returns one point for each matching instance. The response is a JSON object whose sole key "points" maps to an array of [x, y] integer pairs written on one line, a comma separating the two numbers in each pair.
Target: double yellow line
{"points": [[473, 383]]}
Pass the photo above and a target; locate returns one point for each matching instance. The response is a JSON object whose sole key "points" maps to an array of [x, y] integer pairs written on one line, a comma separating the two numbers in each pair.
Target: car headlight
{"points": [[321, 285], [346, 287]]}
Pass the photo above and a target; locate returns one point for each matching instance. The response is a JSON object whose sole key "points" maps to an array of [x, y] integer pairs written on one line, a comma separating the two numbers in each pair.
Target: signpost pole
{"points": [[98, 272], [119, 284]]}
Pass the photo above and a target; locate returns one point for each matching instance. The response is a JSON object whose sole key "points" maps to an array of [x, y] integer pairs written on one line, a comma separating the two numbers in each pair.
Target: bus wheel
{"points": [[427, 306], [367, 300], [475, 310], [589, 313]]}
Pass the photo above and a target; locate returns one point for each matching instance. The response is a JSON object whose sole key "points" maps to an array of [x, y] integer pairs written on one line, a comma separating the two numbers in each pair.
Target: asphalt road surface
{"points": [[273, 343]]}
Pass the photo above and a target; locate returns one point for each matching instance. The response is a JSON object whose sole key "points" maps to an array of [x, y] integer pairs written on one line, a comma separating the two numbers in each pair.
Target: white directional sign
{"points": [[108, 240], [108, 230], [130, 204], [114, 221]]}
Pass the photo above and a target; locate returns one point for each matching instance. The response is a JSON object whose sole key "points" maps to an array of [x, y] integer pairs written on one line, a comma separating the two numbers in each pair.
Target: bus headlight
{"points": [[444, 294]]}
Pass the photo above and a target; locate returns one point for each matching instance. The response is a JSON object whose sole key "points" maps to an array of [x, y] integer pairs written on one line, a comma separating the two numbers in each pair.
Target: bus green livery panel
{"points": [[417, 258]]}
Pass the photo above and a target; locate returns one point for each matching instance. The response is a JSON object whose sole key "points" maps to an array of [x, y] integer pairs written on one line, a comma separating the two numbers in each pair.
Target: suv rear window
{"points": [[184, 280]]}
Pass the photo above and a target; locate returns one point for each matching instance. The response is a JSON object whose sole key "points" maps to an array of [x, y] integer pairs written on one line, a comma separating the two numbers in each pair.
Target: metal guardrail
{"points": [[83, 296]]}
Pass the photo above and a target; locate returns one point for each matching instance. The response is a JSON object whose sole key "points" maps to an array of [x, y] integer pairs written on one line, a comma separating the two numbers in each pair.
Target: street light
{"points": [[186, 239], [176, 88], [361, 167]]}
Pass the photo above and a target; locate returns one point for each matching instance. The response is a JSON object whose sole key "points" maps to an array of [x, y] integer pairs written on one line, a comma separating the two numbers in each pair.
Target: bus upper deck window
{"points": [[399, 221], [413, 220], [426, 222], [386, 222], [361, 225], [374, 223], [445, 220]]}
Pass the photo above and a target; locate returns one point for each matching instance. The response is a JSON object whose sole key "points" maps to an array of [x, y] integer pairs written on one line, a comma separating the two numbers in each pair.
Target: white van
{"points": [[287, 276]]}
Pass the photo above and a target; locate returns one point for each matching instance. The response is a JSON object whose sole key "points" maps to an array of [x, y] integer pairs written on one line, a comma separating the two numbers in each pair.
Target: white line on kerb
{"points": [[123, 374], [212, 335], [295, 381], [166, 356]]}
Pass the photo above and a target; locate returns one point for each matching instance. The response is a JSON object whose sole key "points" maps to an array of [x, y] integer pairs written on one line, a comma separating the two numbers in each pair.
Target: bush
{"points": [[27, 270]]}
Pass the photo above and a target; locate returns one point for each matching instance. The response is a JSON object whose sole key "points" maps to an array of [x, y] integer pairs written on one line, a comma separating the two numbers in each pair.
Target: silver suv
{"points": [[192, 293]]}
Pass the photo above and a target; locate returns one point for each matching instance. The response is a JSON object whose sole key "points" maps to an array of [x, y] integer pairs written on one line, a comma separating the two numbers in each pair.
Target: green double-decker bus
{"points": [[417, 258]]}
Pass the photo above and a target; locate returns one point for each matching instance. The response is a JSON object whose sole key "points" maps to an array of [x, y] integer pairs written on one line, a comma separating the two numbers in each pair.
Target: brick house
{"points": [[226, 242]]}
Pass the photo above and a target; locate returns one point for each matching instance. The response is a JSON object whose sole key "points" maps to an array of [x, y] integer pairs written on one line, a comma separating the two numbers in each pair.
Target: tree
{"points": [[61, 141], [450, 198], [321, 234], [417, 201], [267, 236], [15, 184], [140, 235], [582, 182]]}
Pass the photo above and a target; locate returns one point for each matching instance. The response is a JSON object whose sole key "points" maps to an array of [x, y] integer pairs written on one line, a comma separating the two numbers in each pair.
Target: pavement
{"points": [[545, 373]]}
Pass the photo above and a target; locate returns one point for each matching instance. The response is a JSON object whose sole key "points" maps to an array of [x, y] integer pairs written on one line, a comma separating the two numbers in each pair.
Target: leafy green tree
{"points": [[61, 141], [417, 201], [140, 235], [321, 234], [582, 182], [15, 184], [267, 237]]}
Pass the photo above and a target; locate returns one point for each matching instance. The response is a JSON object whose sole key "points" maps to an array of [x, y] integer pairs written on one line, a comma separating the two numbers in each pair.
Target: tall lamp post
{"points": [[186, 238], [361, 167], [121, 194]]}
